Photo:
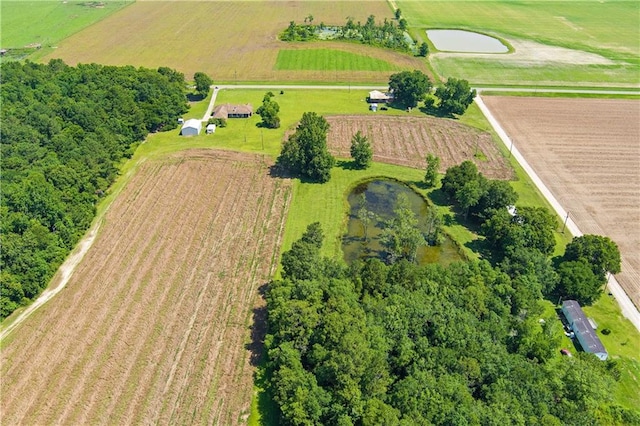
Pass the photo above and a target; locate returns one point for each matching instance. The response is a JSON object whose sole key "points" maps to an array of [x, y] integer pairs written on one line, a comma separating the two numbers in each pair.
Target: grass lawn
{"points": [[48, 22], [332, 60]]}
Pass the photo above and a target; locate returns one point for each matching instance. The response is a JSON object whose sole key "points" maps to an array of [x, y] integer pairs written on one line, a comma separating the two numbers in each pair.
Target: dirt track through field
{"points": [[587, 151], [406, 141], [154, 325]]}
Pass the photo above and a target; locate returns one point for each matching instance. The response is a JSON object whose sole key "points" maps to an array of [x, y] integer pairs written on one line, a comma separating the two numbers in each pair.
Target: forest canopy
{"points": [[64, 131]]}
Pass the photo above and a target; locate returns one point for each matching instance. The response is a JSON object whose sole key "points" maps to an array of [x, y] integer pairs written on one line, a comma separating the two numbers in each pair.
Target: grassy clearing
{"points": [[48, 22], [332, 60]]}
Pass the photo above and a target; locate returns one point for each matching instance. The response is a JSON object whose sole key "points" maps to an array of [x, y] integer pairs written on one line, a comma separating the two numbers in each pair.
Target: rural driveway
{"points": [[629, 310], [207, 114]]}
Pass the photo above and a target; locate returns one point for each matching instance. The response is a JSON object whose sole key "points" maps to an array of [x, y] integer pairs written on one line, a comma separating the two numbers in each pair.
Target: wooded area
{"points": [[64, 132], [401, 344]]}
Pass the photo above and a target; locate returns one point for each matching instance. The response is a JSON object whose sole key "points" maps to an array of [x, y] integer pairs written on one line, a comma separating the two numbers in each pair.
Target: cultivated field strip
{"points": [[587, 152], [406, 141], [154, 325]]}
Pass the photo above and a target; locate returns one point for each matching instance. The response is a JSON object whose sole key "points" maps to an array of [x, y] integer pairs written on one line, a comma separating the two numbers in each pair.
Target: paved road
{"points": [[629, 310], [630, 91]]}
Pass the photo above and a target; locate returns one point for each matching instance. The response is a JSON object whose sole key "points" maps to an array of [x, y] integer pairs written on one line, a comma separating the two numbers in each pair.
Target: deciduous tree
{"points": [[431, 175], [203, 83], [409, 87], [361, 151], [455, 96], [268, 111]]}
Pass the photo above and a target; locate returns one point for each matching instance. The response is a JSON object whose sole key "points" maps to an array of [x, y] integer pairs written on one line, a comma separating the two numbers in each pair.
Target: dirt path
{"points": [[627, 307]]}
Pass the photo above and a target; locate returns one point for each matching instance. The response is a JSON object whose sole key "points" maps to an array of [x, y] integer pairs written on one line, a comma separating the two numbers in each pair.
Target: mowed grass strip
{"points": [[47, 22], [326, 59]]}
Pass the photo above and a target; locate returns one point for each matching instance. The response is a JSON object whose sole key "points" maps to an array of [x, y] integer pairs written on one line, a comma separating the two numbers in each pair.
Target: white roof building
{"points": [[379, 97], [191, 127]]}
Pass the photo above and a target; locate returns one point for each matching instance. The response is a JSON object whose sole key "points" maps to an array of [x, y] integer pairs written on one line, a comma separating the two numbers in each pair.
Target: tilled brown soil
{"points": [[154, 326], [406, 141], [587, 152]]}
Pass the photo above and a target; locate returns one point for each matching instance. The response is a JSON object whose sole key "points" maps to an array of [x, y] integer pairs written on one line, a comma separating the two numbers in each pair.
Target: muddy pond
{"points": [[380, 199], [465, 42]]}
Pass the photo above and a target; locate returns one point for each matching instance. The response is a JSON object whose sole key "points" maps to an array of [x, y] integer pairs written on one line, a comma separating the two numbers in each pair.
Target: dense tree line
{"points": [[64, 131], [385, 34], [400, 344]]}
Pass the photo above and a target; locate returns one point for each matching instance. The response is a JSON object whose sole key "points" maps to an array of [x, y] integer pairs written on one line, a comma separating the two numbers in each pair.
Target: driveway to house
{"points": [[629, 310], [207, 114]]}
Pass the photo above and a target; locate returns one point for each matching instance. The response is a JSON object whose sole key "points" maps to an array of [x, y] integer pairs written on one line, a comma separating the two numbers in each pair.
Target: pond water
{"points": [[381, 196], [465, 41]]}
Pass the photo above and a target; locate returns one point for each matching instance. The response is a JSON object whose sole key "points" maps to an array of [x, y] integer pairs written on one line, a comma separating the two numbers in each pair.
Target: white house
{"points": [[376, 96], [191, 127]]}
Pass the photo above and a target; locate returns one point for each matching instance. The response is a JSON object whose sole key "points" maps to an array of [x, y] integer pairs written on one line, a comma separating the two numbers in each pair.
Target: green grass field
{"points": [[609, 29], [332, 60], [48, 22]]}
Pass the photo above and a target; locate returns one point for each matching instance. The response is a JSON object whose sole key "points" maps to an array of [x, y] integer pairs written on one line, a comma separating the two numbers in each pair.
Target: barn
{"points": [[583, 330], [191, 127]]}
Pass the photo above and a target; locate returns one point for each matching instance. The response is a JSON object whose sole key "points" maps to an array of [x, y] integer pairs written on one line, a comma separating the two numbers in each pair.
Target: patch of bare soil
{"points": [[587, 152], [154, 326], [406, 141]]}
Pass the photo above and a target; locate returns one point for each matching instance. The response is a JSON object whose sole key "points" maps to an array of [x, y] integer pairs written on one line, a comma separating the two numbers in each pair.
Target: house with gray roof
{"points": [[583, 330]]}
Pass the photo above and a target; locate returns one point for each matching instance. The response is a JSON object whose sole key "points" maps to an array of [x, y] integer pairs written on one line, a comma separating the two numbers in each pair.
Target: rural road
{"points": [[629, 310]]}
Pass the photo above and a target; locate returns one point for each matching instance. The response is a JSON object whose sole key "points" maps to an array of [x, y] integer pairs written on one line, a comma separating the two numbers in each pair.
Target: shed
{"points": [[583, 330], [376, 96], [211, 128], [373, 107], [191, 127]]}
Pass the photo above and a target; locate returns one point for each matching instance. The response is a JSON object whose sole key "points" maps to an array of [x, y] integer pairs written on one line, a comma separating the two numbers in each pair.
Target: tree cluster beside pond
{"points": [[385, 34], [400, 344], [64, 131]]}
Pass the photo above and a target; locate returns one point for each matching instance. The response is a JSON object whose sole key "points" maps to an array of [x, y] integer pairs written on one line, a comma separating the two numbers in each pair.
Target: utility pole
{"points": [[565, 223]]}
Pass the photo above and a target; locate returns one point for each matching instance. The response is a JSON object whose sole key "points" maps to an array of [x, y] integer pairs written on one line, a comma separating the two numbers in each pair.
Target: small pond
{"points": [[381, 196], [465, 41]]}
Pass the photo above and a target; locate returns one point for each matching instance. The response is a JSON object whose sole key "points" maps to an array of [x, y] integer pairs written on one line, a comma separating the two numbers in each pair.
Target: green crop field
{"points": [[47, 22], [332, 60], [556, 43]]}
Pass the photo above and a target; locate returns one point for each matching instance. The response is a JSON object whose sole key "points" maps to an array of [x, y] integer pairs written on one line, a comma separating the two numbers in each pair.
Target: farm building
{"points": [[378, 97], [583, 329], [191, 127], [211, 128], [233, 111]]}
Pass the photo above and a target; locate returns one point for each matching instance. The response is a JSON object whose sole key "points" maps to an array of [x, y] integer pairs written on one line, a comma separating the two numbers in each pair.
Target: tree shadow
{"points": [[258, 330], [347, 165], [439, 198], [435, 112], [194, 97]]}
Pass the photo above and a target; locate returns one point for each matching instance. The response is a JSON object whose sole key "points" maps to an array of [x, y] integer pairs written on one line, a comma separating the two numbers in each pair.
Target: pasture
{"points": [[161, 305], [230, 41], [329, 60], [46, 22], [556, 43]]}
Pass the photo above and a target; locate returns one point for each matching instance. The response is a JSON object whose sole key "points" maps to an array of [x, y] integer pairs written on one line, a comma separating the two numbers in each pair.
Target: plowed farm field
{"points": [[587, 152], [406, 141], [154, 326]]}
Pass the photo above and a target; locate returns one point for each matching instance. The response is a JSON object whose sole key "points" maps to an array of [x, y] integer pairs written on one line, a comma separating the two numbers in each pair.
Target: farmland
{"points": [[587, 153], [230, 41], [46, 22], [160, 306], [406, 141], [578, 43]]}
